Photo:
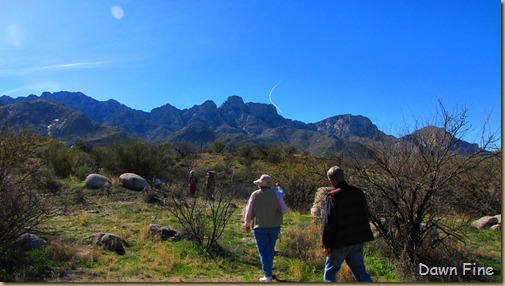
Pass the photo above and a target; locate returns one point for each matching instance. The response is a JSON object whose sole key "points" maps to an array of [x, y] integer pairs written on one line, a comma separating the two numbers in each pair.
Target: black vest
{"points": [[346, 219]]}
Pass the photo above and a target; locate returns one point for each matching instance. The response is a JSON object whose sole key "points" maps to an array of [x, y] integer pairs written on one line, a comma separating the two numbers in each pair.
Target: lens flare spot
{"points": [[117, 12], [13, 35]]}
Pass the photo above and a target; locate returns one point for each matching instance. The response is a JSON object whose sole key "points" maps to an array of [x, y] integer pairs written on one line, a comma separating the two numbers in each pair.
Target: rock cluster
{"points": [[128, 180]]}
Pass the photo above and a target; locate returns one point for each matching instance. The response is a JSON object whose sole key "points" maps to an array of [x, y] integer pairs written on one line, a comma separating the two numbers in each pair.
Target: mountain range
{"points": [[73, 117]]}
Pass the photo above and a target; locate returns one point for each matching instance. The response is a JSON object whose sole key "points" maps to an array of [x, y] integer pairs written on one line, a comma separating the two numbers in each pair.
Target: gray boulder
{"points": [[133, 182], [110, 241], [485, 221], [29, 242], [97, 181]]}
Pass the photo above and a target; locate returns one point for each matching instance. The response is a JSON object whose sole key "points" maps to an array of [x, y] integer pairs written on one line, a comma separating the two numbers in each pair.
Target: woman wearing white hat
{"points": [[264, 212]]}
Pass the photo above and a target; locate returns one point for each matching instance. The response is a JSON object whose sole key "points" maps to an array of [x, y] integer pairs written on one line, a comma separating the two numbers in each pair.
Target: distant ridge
{"points": [[234, 122]]}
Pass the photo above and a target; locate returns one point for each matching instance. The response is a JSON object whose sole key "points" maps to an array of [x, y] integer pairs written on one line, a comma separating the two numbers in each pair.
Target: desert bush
{"points": [[246, 154], [204, 220], [184, 149], [407, 182], [217, 147], [303, 242], [136, 157], [478, 192], [23, 209], [300, 180], [49, 263], [64, 160]]}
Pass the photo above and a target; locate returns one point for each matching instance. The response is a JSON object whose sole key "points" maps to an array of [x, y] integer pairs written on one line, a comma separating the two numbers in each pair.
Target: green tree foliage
{"points": [[246, 154], [217, 147], [300, 176], [64, 160], [136, 157]]}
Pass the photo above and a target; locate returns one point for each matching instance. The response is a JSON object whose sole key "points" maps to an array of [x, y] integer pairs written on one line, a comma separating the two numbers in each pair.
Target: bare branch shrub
{"points": [[203, 220], [23, 209], [411, 182]]}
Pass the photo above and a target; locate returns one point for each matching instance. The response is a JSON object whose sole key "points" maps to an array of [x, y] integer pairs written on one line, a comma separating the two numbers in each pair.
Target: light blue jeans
{"points": [[265, 243], [353, 255]]}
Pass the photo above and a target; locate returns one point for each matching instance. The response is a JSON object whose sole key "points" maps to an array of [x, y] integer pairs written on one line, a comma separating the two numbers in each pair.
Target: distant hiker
{"points": [[346, 228], [210, 184], [192, 184], [280, 190], [264, 211]]}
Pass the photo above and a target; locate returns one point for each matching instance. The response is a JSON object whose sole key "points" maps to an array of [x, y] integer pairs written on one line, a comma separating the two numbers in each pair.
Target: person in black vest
{"points": [[346, 228]]}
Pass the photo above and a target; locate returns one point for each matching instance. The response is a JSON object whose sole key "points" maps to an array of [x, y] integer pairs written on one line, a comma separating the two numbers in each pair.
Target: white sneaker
{"points": [[266, 279]]}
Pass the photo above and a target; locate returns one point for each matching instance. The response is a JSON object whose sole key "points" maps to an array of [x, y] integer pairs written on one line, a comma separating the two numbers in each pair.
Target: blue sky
{"points": [[388, 60]]}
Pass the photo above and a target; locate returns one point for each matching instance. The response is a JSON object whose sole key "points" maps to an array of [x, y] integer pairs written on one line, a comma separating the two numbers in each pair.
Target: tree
{"points": [[217, 147], [247, 154], [184, 149], [137, 157], [300, 176], [64, 160], [408, 181]]}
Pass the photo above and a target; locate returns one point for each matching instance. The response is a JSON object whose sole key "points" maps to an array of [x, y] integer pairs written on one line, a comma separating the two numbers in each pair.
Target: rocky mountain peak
{"points": [[234, 102], [234, 122], [348, 126]]}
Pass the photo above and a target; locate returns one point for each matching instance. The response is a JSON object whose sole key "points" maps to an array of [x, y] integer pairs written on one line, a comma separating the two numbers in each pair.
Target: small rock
{"points": [[110, 241], [165, 233], [247, 240]]}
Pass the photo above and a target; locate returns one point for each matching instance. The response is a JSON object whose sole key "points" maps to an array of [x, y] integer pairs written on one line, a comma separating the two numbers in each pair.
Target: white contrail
{"points": [[270, 96], [77, 65]]}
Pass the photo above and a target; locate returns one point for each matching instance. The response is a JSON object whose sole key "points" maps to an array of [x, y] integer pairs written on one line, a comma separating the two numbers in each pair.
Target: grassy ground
{"points": [[69, 257]]}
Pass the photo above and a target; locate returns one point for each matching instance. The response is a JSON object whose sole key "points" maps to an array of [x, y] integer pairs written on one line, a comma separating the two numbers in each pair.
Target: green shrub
{"points": [[82, 172]]}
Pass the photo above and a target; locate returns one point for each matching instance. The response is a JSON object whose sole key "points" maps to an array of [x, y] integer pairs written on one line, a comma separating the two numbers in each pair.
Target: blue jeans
{"points": [[353, 255], [265, 242]]}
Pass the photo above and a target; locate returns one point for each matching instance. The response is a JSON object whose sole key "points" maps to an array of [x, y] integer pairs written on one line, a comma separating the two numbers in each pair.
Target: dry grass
{"points": [[83, 217], [164, 260], [345, 274], [303, 242], [297, 270]]}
